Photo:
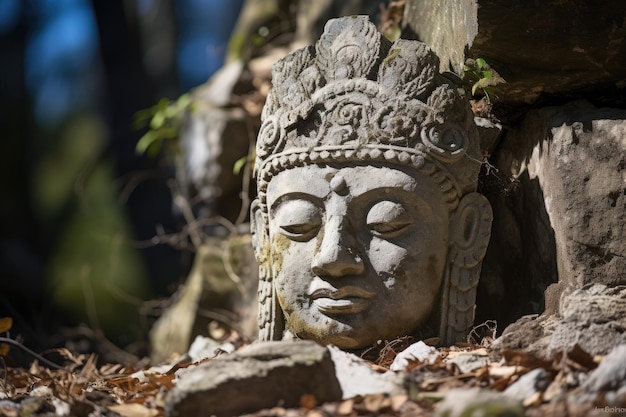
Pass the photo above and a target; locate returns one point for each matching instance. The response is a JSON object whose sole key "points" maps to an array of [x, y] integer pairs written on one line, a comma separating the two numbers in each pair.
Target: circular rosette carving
{"points": [[397, 127], [346, 118], [448, 141], [269, 136], [347, 113]]}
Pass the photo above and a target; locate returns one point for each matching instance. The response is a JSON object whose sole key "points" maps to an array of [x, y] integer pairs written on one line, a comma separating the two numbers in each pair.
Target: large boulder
{"points": [[268, 374], [221, 288], [577, 154], [571, 47], [558, 188], [260, 376], [571, 163], [592, 318]]}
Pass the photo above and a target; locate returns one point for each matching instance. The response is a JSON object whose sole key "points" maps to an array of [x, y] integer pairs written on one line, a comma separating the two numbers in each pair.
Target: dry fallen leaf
{"points": [[376, 402], [133, 410], [345, 407], [398, 401], [308, 401], [5, 324], [527, 360]]}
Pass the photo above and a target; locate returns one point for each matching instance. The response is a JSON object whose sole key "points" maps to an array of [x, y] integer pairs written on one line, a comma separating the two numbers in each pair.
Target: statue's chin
{"points": [[344, 336], [342, 341]]}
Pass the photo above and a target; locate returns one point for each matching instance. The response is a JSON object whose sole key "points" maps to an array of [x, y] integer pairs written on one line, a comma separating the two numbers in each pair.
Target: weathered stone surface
{"points": [[578, 155], [447, 26], [528, 385], [607, 381], [471, 402], [214, 134], [561, 224], [313, 15], [570, 47], [223, 277], [594, 318], [357, 378], [259, 376], [530, 334], [468, 362], [367, 225], [418, 351], [267, 374]]}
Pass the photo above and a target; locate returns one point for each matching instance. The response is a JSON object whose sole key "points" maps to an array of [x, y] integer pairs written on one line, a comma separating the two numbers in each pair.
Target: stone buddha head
{"points": [[367, 225]]}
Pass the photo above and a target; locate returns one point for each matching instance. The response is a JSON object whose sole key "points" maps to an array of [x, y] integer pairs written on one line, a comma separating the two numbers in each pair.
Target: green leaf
{"points": [[162, 104], [154, 148], [257, 40], [239, 164], [146, 141], [480, 62], [157, 120], [168, 132], [184, 100]]}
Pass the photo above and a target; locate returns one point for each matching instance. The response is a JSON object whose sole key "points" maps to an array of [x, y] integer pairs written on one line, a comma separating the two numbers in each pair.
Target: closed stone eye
{"points": [[388, 219], [298, 220], [303, 231], [388, 229]]}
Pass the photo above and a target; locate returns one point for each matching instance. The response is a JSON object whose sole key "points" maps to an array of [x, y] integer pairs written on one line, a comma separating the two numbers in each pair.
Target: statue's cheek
{"points": [[387, 258]]}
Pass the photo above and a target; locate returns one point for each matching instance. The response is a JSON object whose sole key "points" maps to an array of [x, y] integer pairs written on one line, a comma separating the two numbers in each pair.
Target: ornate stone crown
{"points": [[356, 96]]}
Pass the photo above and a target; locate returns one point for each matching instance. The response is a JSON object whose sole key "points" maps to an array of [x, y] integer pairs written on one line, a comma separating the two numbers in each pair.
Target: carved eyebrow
{"points": [[315, 200], [387, 193]]}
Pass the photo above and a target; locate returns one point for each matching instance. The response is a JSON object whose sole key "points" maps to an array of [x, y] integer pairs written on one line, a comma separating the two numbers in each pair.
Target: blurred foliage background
{"points": [[77, 202]]}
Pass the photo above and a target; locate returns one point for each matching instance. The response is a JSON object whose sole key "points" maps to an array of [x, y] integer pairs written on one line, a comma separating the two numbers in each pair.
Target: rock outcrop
{"points": [[268, 374], [558, 181], [571, 48]]}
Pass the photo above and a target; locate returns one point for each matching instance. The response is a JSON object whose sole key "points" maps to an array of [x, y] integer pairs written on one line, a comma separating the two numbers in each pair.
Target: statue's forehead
{"points": [[319, 180]]}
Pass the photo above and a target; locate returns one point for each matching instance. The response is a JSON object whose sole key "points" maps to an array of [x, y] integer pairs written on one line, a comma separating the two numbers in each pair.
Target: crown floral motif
{"points": [[356, 96]]}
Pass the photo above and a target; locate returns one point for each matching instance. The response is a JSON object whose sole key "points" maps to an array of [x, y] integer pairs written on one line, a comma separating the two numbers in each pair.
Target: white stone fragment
{"points": [[418, 351]]}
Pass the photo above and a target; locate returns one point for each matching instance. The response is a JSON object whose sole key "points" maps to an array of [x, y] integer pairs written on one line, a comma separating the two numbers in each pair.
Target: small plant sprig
{"points": [[163, 121], [482, 77], [241, 162]]}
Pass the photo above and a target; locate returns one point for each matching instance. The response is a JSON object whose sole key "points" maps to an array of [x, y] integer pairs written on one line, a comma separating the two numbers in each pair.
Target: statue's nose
{"points": [[338, 255]]}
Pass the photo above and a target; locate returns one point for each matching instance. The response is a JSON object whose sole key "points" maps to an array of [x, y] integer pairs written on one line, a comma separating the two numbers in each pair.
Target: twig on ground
{"points": [[23, 348]]}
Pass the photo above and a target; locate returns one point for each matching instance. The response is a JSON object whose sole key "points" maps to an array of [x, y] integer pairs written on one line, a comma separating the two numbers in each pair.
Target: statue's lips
{"points": [[344, 300]]}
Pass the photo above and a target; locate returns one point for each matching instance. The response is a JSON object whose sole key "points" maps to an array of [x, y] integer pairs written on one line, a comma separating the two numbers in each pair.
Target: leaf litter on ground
{"points": [[81, 387]]}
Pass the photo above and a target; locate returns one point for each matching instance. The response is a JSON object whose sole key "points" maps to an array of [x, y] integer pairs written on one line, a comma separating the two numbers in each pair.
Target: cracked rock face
{"points": [[594, 318], [555, 49], [259, 376], [571, 164], [268, 374]]}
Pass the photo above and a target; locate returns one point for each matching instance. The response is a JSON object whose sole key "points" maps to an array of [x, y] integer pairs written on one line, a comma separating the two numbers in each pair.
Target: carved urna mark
{"points": [[367, 225]]}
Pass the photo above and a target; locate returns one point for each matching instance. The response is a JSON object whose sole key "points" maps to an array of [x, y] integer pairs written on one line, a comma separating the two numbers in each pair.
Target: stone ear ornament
{"points": [[271, 321], [470, 232]]}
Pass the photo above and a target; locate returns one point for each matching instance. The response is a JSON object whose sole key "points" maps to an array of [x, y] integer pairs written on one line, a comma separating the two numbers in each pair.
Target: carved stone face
{"points": [[367, 224], [358, 251]]}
